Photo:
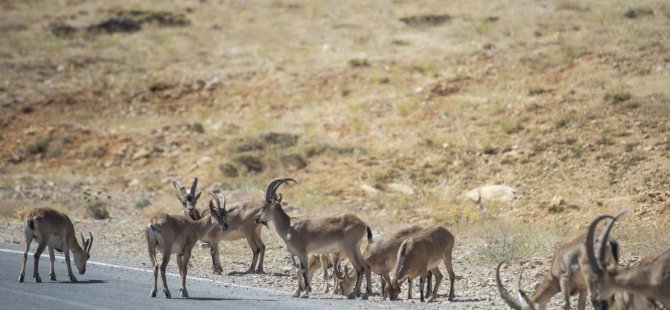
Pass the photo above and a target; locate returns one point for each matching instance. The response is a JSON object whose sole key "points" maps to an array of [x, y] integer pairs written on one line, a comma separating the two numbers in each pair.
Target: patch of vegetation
{"points": [[251, 163], [490, 150], [426, 20], [91, 149], [142, 203], [500, 246], [295, 161], [319, 149], [617, 96], [359, 63], [283, 140], [97, 210], [511, 127], [38, 145], [229, 170], [427, 69], [564, 121], [634, 13], [605, 139], [571, 52]]}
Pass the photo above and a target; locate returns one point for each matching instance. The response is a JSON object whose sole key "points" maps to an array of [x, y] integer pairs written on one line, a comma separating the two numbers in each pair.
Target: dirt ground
{"points": [[391, 110]]}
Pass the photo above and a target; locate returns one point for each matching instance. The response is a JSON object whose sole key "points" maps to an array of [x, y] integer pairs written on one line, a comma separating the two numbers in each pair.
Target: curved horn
{"points": [[274, 185], [177, 184], [593, 262], [509, 300], [90, 242], [605, 236], [193, 186], [83, 241], [219, 204], [525, 298]]}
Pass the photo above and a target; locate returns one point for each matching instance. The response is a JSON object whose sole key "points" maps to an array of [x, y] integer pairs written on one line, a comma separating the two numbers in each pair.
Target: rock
{"points": [[492, 193], [134, 183], [401, 188], [204, 160], [370, 190], [141, 153], [556, 201]]}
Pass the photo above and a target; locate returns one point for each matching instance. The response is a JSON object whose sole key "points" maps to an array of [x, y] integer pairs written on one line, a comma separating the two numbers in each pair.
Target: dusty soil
{"points": [[392, 110]]}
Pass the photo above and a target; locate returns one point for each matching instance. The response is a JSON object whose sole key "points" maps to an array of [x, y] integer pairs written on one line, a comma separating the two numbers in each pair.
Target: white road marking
{"points": [[146, 270]]}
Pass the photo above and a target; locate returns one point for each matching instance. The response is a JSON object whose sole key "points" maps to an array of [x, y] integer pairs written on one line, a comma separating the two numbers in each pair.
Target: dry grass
{"points": [[499, 93]]}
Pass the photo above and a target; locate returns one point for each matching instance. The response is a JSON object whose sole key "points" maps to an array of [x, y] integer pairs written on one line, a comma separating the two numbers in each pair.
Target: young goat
{"points": [[176, 234], [419, 254], [241, 224], [53, 229]]}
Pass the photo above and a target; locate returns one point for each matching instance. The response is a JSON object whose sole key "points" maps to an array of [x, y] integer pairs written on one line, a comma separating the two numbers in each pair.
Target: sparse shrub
{"points": [[500, 245], [605, 140], [92, 149], [617, 96], [358, 63], [634, 13], [250, 162], [489, 150], [280, 139], [38, 145], [159, 86], [197, 128], [511, 127], [142, 203], [97, 210], [229, 170], [563, 121]]}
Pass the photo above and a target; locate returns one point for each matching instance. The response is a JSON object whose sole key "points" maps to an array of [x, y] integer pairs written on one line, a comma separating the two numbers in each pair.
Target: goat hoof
{"points": [[184, 293], [167, 294], [37, 278], [365, 297], [260, 270], [52, 277], [153, 293], [352, 296], [21, 277], [73, 279], [296, 293]]}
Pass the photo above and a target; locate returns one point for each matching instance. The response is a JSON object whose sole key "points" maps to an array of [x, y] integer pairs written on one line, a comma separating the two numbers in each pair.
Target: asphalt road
{"points": [[106, 286]]}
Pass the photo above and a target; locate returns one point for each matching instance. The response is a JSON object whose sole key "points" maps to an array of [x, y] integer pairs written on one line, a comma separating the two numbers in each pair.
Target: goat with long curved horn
{"points": [[319, 235], [648, 282]]}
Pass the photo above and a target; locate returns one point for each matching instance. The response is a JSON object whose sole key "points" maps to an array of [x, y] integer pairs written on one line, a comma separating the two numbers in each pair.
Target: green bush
{"points": [[97, 210]]}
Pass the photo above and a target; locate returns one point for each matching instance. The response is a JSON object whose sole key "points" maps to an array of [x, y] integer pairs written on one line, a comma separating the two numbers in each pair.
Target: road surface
{"points": [[106, 286]]}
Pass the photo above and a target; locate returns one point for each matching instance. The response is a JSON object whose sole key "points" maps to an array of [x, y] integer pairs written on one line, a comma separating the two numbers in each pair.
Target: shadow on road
{"points": [[243, 273], [79, 282], [227, 299]]}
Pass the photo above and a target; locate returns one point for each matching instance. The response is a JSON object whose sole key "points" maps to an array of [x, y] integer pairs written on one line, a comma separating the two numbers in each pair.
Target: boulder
{"points": [[492, 193]]}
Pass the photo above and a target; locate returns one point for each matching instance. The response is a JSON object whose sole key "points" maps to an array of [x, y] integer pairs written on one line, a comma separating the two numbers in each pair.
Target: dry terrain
{"points": [[392, 110]]}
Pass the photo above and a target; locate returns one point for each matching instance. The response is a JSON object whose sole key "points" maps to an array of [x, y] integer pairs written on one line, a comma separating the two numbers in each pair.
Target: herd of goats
{"points": [[589, 263]]}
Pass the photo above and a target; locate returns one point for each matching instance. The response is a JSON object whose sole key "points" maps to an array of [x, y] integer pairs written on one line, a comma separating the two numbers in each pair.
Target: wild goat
{"points": [[53, 229], [177, 234], [628, 300], [380, 254], [650, 279], [419, 254], [569, 273], [323, 261], [241, 224], [318, 235]]}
